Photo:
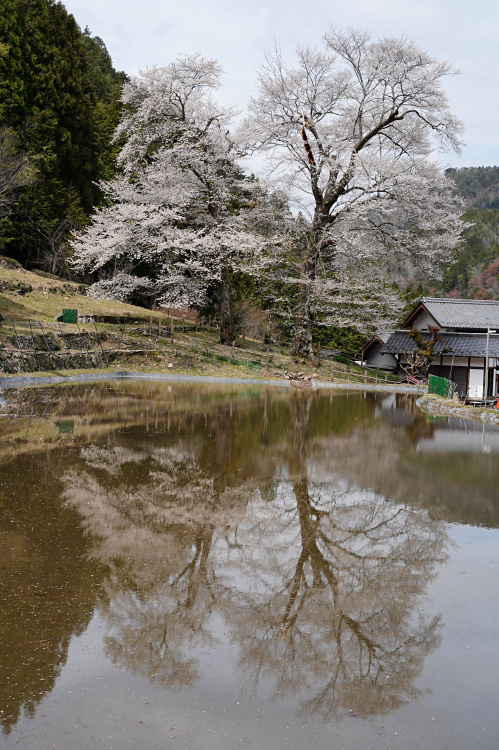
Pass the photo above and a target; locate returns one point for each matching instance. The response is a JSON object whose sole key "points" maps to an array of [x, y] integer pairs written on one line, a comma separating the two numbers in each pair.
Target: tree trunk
{"points": [[302, 343], [227, 332]]}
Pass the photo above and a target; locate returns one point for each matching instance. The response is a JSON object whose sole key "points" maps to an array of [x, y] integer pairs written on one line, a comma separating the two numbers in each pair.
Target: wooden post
{"points": [[279, 339], [318, 354], [173, 331], [98, 338], [159, 328], [386, 377], [43, 334], [365, 376], [17, 339], [332, 372], [242, 335], [209, 322], [150, 326], [32, 337]]}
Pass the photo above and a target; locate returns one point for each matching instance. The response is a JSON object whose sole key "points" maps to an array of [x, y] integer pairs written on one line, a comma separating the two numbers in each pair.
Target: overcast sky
{"points": [[140, 34]]}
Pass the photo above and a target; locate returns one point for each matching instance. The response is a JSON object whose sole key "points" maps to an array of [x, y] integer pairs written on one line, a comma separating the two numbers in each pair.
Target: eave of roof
{"points": [[450, 344]]}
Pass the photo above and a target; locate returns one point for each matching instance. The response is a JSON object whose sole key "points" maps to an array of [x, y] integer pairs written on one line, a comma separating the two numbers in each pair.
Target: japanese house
{"points": [[467, 330]]}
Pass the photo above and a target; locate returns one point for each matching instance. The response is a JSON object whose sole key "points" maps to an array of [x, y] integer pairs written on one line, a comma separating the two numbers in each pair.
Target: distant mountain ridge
{"points": [[479, 186]]}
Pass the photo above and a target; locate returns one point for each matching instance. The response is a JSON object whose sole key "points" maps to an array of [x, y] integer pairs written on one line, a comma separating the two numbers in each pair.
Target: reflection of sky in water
{"points": [[268, 573], [220, 711], [480, 440]]}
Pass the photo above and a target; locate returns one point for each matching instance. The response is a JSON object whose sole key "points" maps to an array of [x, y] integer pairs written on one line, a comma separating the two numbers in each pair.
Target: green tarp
{"points": [[68, 316]]}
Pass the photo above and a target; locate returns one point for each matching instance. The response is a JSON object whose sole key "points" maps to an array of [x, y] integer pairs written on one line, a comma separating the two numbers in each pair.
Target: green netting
{"points": [[69, 316], [441, 386]]}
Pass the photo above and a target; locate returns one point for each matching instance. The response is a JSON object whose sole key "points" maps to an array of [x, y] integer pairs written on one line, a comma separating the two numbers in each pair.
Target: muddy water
{"points": [[194, 567]]}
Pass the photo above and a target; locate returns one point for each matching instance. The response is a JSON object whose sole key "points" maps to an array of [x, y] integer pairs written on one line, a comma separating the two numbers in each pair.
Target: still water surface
{"points": [[190, 567]]}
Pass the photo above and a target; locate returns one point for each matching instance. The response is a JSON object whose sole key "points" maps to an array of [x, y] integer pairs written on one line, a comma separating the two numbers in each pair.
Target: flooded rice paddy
{"points": [[191, 567]]}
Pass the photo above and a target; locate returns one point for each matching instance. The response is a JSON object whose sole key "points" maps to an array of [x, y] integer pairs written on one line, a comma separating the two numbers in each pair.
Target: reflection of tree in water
{"points": [[319, 581], [158, 514], [336, 620]]}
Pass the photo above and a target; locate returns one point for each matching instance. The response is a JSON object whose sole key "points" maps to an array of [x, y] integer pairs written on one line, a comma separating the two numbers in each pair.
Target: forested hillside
{"points": [[475, 273], [479, 186], [58, 109]]}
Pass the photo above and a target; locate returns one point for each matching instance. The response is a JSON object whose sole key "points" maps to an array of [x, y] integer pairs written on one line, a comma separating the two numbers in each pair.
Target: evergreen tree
{"points": [[107, 83], [48, 99]]}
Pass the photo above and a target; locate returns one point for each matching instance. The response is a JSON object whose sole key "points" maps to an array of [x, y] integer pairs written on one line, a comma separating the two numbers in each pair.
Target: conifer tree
{"points": [[48, 100]]}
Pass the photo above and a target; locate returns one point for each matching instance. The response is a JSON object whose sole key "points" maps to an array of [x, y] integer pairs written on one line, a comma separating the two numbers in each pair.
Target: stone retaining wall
{"points": [[12, 362], [437, 406]]}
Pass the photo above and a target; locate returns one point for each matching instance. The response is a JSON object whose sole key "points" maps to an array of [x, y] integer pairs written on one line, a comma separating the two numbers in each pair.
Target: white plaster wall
{"points": [[376, 359], [423, 321], [458, 361]]}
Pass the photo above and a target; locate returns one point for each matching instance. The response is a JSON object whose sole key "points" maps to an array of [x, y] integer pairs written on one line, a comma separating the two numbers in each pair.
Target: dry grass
{"points": [[193, 353], [50, 294]]}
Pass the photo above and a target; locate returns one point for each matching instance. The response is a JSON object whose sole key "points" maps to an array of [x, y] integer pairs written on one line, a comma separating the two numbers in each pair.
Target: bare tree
{"points": [[15, 170], [349, 129]]}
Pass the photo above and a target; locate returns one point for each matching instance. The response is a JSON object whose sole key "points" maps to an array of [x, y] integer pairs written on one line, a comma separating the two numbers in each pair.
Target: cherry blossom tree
{"points": [[349, 131], [178, 221]]}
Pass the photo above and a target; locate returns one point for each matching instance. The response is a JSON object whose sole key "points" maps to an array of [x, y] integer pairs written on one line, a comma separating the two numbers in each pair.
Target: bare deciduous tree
{"points": [[15, 170], [350, 128]]}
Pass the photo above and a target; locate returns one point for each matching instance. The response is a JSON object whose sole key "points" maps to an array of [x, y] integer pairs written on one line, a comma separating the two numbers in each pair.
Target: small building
{"points": [[373, 355], [467, 330]]}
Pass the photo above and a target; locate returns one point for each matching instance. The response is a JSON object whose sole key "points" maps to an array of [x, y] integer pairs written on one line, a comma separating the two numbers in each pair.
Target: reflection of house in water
{"points": [[461, 347], [482, 439], [392, 413]]}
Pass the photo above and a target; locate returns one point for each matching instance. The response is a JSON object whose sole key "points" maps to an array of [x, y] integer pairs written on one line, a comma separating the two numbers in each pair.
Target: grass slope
{"points": [[50, 294], [41, 297]]}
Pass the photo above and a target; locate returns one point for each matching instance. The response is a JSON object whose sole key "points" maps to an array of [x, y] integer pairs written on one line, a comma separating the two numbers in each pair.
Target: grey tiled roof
{"points": [[463, 313], [382, 336], [459, 344], [385, 334]]}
